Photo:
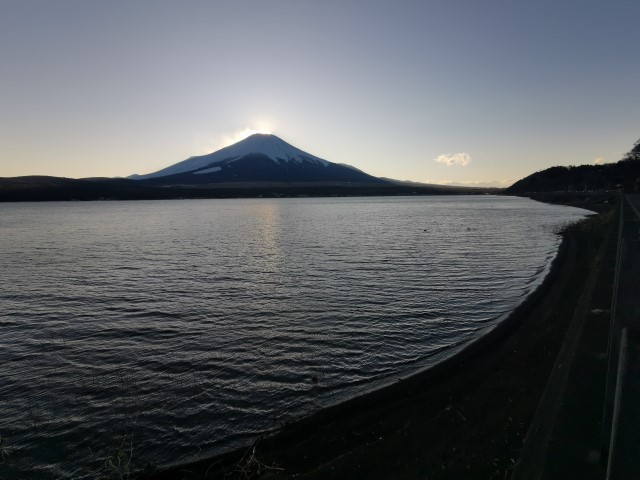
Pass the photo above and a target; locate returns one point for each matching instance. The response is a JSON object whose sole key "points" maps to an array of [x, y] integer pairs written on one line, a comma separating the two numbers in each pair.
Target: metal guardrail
{"points": [[621, 420], [625, 429]]}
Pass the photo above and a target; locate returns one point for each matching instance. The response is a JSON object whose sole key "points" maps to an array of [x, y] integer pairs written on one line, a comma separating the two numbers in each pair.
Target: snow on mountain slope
{"points": [[273, 147]]}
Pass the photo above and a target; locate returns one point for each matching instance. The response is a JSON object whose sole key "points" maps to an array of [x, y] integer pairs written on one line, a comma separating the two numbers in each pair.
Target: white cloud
{"points": [[449, 159], [599, 161]]}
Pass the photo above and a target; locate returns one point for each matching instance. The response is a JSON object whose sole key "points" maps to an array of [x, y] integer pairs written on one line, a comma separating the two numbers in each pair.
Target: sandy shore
{"points": [[464, 418]]}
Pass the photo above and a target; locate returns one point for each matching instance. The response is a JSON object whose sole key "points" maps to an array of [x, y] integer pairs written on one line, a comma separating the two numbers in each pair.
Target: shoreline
{"points": [[362, 436]]}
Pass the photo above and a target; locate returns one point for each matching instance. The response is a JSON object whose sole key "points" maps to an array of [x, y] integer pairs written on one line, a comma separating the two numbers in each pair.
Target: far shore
{"points": [[465, 417]]}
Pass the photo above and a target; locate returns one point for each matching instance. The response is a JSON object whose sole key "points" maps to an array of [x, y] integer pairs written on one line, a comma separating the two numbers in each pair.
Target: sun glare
{"points": [[250, 131], [241, 135]]}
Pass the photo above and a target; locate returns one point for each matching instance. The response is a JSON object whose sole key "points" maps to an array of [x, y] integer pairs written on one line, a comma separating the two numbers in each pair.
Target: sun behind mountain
{"points": [[260, 157], [241, 135]]}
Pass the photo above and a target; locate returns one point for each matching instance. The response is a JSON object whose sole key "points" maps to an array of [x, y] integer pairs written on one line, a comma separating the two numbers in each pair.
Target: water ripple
{"points": [[186, 327]]}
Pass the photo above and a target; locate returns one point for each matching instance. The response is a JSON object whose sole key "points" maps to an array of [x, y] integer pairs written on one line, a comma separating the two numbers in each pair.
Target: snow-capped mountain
{"points": [[257, 158]]}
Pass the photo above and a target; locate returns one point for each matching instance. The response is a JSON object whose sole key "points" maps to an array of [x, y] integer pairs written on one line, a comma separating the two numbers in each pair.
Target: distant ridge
{"points": [[456, 188]]}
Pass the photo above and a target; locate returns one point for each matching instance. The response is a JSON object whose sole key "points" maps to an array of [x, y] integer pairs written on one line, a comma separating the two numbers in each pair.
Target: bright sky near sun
{"points": [[463, 91]]}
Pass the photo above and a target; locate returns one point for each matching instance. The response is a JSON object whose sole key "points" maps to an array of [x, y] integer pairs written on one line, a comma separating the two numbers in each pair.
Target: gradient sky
{"points": [[111, 88]]}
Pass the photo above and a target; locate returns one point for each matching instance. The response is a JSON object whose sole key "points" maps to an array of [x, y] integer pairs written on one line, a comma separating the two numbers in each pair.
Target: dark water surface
{"points": [[160, 331]]}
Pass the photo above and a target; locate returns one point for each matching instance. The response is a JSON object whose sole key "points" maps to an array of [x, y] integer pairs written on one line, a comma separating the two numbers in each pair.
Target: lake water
{"points": [[167, 330]]}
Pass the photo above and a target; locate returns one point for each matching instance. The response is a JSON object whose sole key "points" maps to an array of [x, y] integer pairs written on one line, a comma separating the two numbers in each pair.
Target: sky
{"points": [[439, 91]]}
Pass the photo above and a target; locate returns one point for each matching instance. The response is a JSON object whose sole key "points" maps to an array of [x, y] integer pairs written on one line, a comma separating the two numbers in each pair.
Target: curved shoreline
{"points": [[354, 436]]}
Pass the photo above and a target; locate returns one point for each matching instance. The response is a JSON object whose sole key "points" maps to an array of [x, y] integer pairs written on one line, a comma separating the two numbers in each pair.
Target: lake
{"points": [[167, 330]]}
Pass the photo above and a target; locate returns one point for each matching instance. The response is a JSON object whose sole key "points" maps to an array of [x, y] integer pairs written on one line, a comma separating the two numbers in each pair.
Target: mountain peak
{"points": [[270, 145], [258, 158], [265, 144]]}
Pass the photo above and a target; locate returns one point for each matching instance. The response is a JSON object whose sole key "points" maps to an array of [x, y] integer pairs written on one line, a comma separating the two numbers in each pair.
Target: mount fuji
{"points": [[261, 165], [258, 158]]}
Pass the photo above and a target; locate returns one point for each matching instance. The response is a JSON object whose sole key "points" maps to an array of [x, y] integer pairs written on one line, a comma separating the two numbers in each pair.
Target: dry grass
{"points": [[118, 463], [250, 468]]}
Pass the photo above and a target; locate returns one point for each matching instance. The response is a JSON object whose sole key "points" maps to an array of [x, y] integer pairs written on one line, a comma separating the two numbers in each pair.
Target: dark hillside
{"points": [[44, 188], [623, 175]]}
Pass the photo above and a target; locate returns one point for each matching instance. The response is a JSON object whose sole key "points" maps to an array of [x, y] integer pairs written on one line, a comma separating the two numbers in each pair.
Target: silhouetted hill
{"points": [[615, 176], [623, 175], [45, 188]]}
